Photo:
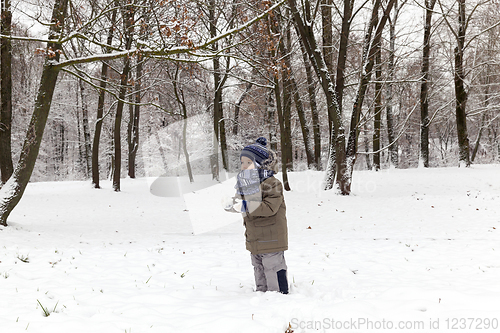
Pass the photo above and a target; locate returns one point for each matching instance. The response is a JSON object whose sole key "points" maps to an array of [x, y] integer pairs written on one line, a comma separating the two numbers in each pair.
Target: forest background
{"points": [[94, 89]]}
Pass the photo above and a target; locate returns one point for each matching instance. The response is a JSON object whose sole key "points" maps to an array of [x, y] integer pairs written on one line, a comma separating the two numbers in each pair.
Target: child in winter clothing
{"points": [[264, 215]]}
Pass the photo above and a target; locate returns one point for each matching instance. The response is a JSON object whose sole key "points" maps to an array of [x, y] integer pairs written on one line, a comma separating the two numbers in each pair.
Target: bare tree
{"points": [[6, 166], [377, 117], [391, 68], [15, 186], [181, 101], [371, 43], [460, 90], [133, 128], [459, 74], [424, 85], [128, 12], [311, 91], [237, 107], [100, 104], [304, 27], [327, 39]]}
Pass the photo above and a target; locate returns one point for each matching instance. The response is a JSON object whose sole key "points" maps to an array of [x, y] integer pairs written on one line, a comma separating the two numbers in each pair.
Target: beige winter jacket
{"points": [[266, 226]]}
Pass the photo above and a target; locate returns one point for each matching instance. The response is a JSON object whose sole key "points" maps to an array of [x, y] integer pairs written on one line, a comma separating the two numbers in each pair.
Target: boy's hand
{"points": [[237, 205], [233, 206]]}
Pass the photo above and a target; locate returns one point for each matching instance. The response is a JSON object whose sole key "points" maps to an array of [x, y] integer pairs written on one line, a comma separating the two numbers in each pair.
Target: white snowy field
{"points": [[410, 251]]}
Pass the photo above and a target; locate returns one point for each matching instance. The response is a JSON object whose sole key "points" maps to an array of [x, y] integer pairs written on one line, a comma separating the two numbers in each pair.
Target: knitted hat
{"points": [[257, 151]]}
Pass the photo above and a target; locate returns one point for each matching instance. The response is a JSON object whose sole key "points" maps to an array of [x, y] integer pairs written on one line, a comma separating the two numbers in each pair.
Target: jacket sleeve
{"points": [[272, 197]]}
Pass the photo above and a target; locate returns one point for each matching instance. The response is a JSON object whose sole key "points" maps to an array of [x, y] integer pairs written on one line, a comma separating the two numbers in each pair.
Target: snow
{"points": [[417, 248]]}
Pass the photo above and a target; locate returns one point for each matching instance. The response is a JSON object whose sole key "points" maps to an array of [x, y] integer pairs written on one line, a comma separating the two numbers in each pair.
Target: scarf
{"points": [[248, 183]]}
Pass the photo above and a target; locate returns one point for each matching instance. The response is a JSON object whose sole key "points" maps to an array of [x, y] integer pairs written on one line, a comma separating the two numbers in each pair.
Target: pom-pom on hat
{"points": [[257, 151]]}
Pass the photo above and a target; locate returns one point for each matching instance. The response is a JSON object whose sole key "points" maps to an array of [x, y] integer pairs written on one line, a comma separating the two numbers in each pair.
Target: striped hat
{"points": [[257, 151]]}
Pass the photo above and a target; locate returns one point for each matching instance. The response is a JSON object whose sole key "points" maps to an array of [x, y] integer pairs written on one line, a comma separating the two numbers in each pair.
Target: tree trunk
{"points": [[460, 92], [6, 166], [179, 95], [393, 146], [327, 40], [223, 138], [217, 93], [327, 35], [128, 24], [424, 86], [342, 58], [377, 117], [479, 135], [285, 99], [292, 89], [331, 164], [80, 162], [303, 124], [87, 151], [340, 75], [281, 121], [271, 120], [367, 148], [370, 47], [285, 127], [311, 90], [100, 109], [13, 190], [274, 22], [184, 143], [487, 96], [238, 106], [343, 179], [134, 130]]}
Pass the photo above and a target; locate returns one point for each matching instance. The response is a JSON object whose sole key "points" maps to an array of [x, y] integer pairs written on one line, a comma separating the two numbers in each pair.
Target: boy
{"points": [[264, 215]]}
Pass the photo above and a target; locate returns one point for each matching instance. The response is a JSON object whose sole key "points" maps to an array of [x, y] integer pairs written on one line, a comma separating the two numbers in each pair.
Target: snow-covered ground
{"points": [[415, 248]]}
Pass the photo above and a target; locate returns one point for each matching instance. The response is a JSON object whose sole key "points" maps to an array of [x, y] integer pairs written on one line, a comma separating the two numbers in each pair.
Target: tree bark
{"points": [[460, 92], [393, 146], [311, 90], [370, 47], [343, 179], [331, 170], [87, 151], [217, 93], [128, 24], [487, 95], [12, 191], [80, 162], [293, 90], [327, 35], [134, 120], [424, 85], [286, 112], [271, 120], [6, 166], [179, 95], [303, 124], [281, 121], [284, 101], [134, 146], [238, 106], [340, 77], [377, 117], [100, 108], [342, 58], [327, 40]]}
